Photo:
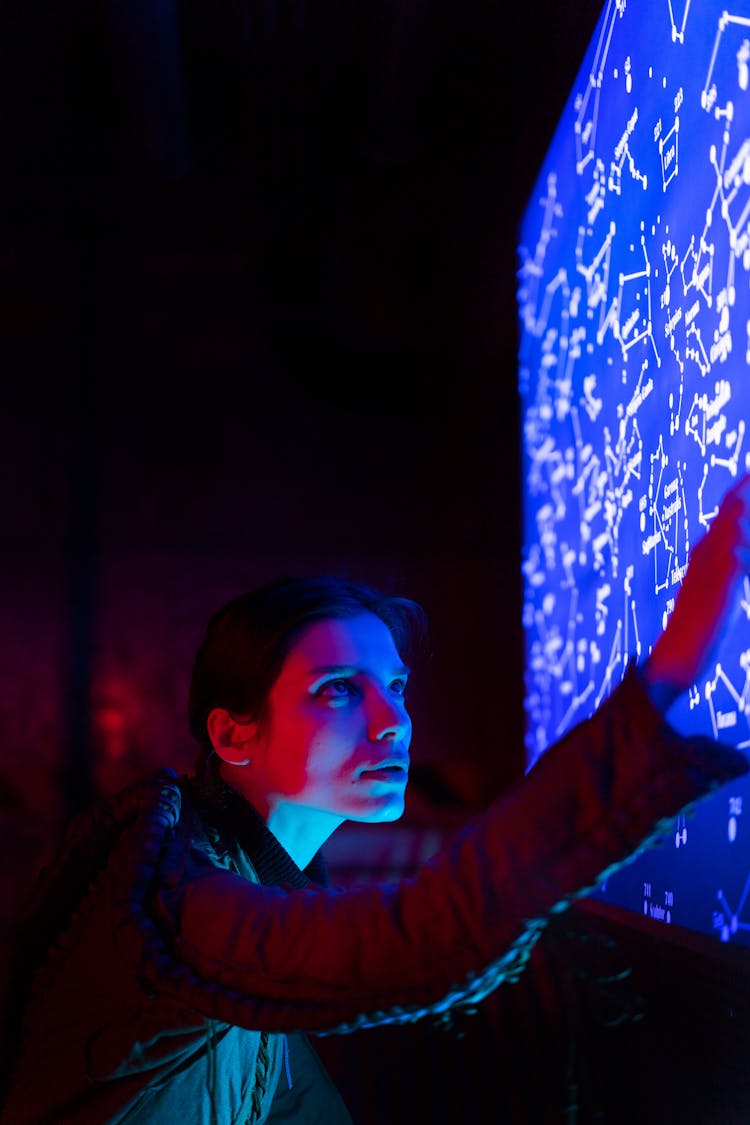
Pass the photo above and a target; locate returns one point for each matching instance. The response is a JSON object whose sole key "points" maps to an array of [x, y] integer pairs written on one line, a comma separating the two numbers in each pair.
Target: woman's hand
{"points": [[705, 603]]}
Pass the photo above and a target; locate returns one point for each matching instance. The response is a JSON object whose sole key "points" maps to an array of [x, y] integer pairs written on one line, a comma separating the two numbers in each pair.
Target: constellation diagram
{"points": [[634, 380]]}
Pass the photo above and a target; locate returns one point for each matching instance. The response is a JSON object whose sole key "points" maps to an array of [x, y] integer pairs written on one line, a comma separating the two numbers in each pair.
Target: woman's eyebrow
{"points": [[338, 669]]}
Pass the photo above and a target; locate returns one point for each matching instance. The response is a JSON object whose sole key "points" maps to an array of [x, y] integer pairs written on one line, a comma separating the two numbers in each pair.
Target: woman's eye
{"points": [[399, 686], [334, 689]]}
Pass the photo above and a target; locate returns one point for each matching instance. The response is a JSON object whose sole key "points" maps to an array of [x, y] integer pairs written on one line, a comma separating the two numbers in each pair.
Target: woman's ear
{"points": [[231, 738]]}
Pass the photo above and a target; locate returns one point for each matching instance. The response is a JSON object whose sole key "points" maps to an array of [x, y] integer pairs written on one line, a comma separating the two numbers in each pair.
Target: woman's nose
{"points": [[388, 718]]}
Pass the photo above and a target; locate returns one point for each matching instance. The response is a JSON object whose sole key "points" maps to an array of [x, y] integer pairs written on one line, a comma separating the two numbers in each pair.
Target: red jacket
{"points": [[181, 949]]}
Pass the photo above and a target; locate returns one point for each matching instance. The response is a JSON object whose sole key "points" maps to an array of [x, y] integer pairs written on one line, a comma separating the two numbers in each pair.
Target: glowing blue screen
{"points": [[634, 378]]}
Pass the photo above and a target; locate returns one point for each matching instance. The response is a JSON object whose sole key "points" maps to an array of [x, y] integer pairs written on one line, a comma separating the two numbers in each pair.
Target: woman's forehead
{"points": [[348, 641]]}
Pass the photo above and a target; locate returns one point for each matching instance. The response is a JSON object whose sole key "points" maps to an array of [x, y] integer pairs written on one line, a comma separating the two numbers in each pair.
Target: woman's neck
{"points": [[301, 831]]}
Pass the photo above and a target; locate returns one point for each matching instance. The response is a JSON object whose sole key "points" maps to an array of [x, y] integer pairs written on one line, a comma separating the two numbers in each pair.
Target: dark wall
{"points": [[257, 270]]}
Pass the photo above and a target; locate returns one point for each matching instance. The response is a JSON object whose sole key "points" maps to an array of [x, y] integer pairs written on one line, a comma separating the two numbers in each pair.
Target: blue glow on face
{"points": [[634, 377]]}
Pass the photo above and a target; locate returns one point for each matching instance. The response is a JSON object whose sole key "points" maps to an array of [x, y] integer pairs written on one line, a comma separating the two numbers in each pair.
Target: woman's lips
{"points": [[390, 771]]}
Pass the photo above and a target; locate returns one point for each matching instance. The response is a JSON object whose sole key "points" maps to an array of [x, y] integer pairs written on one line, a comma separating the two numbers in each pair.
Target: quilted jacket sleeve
{"points": [[322, 960]]}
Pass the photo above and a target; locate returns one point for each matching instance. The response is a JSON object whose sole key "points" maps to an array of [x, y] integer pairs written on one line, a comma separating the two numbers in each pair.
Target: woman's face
{"points": [[337, 734]]}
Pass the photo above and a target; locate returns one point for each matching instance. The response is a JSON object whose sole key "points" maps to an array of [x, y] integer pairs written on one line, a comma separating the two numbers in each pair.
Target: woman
{"points": [[186, 940]]}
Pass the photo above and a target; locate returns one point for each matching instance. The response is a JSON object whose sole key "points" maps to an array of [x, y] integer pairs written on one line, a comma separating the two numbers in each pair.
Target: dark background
{"points": [[257, 313]]}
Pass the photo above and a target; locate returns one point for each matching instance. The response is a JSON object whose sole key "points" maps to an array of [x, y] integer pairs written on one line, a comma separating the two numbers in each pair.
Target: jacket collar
{"points": [[234, 818]]}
